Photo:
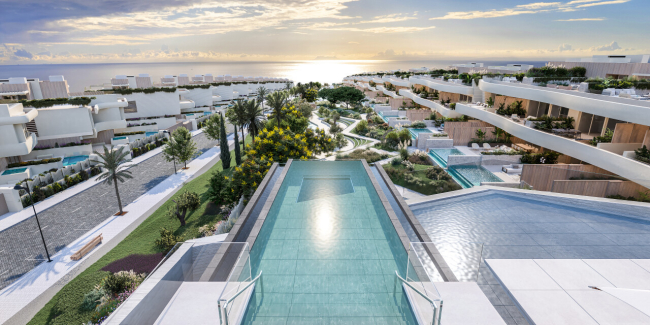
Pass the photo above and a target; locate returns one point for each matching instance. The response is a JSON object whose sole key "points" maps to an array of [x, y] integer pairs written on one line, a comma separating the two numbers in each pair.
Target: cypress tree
{"points": [[223, 143], [237, 152]]}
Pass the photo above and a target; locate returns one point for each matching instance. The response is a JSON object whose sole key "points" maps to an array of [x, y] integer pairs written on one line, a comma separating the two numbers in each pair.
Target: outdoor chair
{"points": [[475, 146], [487, 146], [512, 169], [515, 117]]}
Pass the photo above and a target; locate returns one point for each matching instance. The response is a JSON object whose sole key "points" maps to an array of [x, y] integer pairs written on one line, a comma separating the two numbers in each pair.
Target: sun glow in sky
{"points": [[86, 31]]}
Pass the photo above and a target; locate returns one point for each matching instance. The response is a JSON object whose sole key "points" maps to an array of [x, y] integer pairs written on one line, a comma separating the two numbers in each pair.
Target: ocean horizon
{"points": [[80, 76]]}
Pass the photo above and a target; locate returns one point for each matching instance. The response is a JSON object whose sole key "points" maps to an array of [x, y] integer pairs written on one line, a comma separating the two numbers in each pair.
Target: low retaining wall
{"points": [[500, 159], [463, 160], [439, 143]]}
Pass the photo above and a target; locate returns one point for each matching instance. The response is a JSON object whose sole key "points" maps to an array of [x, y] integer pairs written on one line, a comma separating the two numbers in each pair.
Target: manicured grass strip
{"points": [[356, 142], [64, 306]]}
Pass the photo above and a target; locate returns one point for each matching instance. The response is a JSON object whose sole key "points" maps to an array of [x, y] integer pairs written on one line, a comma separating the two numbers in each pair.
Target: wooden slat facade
{"points": [[463, 132], [629, 133]]}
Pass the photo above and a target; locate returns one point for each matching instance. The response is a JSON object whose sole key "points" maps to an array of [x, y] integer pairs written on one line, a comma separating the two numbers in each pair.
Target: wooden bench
{"points": [[87, 248]]}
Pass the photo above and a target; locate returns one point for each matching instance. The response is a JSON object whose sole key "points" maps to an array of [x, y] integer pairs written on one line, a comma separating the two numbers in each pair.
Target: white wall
{"points": [[54, 122], [224, 91], [619, 148], [201, 97], [156, 104]]}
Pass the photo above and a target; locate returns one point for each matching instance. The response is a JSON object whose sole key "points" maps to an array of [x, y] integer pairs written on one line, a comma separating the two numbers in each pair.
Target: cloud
{"points": [[23, 54], [531, 8], [565, 47], [164, 47], [583, 19], [326, 57], [610, 47], [353, 43], [388, 19]]}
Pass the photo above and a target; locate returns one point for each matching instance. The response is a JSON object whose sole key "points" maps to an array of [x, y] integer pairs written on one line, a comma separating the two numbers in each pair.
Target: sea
{"points": [[81, 76]]}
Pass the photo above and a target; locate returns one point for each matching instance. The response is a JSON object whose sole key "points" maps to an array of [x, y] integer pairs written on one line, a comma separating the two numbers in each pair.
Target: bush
{"points": [[35, 162], [57, 187], [418, 125], [361, 128], [116, 283], [643, 154], [167, 240], [84, 175], [396, 161], [92, 299], [77, 179], [392, 139], [548, 157], [420, 157], [437, 174], [369, 155]]}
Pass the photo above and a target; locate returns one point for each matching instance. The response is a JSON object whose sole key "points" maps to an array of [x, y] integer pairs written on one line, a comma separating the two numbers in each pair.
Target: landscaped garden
{"points": [[195, 210], [416, 173]]}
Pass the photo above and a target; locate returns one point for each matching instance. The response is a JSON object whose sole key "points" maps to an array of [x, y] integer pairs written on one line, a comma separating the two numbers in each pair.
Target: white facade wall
{"points": [[200, 97], [64, 121], [226, 92], [13, 139], [242, 89], [156, 104]]}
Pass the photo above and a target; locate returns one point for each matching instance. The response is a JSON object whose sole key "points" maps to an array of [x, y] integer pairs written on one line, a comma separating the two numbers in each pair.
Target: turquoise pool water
{"points": [[73, 160], [441, 156], [119, 138], [14, 171], [415, 132], [146, 134], [381, 114], [472, 175], [328, 252], [313, 126]]}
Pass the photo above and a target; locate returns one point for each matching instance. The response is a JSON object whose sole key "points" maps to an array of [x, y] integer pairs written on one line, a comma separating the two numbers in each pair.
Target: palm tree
{"points": [[262, 92], [240, 117], [254, 117], [113, 163], [277, 101]]}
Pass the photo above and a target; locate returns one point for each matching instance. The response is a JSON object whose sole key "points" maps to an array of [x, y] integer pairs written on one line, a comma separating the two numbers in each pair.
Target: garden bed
{"points": [[417, 180]]}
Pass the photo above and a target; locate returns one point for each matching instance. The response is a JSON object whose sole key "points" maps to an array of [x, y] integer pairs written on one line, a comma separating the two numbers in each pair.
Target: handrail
{"points": [[223, 308], [436, 311]]}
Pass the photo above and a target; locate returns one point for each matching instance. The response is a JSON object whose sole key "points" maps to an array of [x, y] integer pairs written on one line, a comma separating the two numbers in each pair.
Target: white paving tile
{"points": [[622, 273], [554, 307], [572, 274], [607, 309], [522, 275]]}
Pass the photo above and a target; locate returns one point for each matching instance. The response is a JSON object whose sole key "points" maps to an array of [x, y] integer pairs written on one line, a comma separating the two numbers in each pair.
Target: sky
{"points": [[86, 31]]}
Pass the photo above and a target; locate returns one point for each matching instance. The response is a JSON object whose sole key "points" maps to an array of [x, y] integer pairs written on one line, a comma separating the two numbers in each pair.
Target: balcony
{"points": [[625, 167], [444, 111], [396, 81], [19, 149], [629, 110], [186, 103], [387, 92], [444, 86], [122, 102]]}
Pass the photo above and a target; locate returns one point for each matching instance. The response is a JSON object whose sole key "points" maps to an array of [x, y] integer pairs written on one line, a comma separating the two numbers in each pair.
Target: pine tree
{"points": [[237, 152], [223, 143]]}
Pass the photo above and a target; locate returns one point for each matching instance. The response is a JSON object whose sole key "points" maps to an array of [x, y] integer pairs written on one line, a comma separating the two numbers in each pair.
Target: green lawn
{"points": [[64, 306], [357, 142]]}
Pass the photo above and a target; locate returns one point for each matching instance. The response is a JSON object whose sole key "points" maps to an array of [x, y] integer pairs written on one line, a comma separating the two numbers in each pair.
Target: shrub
{"points": [[396, 161], [548, 157], [116, 283], [56, 187], [420, 157], [35, 162], [437, 174], [49, 191], [92, 299], [392, 139], [77, 179], [167, 240], [84, 175], [369, 155], [418, 125], [27, 201], [361, 128], [643, 154]]}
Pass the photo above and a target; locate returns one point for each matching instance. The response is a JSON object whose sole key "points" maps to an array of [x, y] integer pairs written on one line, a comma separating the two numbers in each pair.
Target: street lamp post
{"points": [[170, 140], [18, 187]]}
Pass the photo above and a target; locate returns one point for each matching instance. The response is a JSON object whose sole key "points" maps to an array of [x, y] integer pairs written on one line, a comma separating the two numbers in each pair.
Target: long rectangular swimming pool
{"points": [[441, 155], [67, 161], [328, 252], [415, 132]]}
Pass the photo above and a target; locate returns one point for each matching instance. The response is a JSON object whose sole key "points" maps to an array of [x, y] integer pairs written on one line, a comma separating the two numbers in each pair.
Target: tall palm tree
{"points": [[277, 101], [254, 116], [262, 92], [240, 117], [113, 163]]}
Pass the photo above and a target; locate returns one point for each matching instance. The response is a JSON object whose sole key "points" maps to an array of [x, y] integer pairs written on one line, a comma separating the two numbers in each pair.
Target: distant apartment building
{"points": [[24, 88], [479, 67], [623, 112], [615, 66]]}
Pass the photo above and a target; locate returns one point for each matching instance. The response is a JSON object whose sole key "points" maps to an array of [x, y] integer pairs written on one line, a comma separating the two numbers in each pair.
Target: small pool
{"points": [[119, 138], [472, 175], [14, 171], [415, 132], [441, 156], [148, 134], [67, 161]]}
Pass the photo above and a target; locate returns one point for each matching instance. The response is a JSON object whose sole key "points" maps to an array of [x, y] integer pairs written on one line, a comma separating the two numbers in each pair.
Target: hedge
{"points": [[34, 162], [128, 133], [40, 103]]}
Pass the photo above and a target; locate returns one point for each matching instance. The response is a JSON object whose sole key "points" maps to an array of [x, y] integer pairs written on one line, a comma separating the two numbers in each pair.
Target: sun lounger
{"points": [[487, 146], [475, 146], [512, 169]]}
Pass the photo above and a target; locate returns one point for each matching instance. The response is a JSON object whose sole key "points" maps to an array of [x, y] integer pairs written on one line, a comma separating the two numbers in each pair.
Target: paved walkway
{"points": [[82, 209], [24, 297]]}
